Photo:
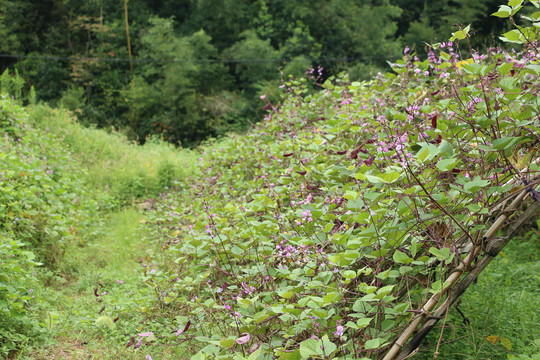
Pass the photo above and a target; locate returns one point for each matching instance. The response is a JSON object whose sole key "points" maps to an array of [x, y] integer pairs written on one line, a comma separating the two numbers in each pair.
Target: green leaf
{"points": [[501, 14], [476, 184], [198, 356], [227, 343], [422, 155], [385, 290], [331, 297], [505, 68], [255, 355], [286, 294], [362, 323], [514, 3], [390, 177], [460, 35], [328, 346], [446, 164], [428, 152], [402, 258], [286, 355], [372, 344], [310, 347], [360, 176], [245, 303], [506, 343], [507, 83], [513, 36], [504, 143], [349, 274], [504, 11]]}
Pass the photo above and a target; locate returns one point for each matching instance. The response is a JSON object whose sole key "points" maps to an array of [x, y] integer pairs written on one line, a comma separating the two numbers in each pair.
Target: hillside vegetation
{"points": [[352, 208], [58, 183], [186, 70], [352, 214]]}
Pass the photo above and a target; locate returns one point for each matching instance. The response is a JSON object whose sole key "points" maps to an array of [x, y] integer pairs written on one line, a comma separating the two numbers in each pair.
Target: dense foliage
{"points": [[320, 233], [44, 208], [199, 66], [57, 179]]}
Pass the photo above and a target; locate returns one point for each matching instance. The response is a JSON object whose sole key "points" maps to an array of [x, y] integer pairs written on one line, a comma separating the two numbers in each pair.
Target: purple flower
{"points": [[243, 339], [339, 331]]}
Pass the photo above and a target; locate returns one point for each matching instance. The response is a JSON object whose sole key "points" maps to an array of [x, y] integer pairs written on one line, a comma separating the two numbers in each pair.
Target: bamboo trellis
{"points": [[491, 247]]}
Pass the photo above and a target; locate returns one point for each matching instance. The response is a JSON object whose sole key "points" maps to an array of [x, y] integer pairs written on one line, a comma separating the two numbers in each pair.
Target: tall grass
{"points": [[129, 171]]}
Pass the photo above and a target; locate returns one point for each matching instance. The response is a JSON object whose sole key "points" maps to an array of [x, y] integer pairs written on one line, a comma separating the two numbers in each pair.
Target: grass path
{"points": [[109, 262]]}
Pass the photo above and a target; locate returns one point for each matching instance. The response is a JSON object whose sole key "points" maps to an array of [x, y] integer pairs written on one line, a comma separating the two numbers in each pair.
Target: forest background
{"points": [[184, 70]]}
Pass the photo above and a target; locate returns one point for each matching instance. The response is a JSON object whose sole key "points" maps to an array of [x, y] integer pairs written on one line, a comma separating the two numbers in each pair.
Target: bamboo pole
{"points": [[127, 33]]}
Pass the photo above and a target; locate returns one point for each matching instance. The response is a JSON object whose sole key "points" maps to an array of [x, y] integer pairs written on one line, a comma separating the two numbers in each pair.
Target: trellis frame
{"points": [[491, 247]]}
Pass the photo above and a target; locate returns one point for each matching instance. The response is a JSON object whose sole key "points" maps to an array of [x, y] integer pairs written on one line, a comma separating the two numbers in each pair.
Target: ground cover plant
{"points": [[334, 224], [322, 233]]}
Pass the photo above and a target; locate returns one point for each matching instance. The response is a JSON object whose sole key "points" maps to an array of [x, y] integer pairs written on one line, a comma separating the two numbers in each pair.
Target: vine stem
{"points": [[439, 206], [442, 332]]}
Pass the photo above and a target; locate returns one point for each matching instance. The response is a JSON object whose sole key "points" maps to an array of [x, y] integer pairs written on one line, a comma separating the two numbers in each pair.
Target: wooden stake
{"points": [[127, 33]]}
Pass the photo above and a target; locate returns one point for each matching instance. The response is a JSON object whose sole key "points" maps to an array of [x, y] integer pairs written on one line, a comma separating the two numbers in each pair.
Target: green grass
{"points": [[74, 308], [126, 170], [106, 251]]}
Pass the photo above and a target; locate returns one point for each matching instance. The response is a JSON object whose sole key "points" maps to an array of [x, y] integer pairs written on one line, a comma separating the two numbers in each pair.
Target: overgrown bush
{"points": [[44, 208], [17, 284]]}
